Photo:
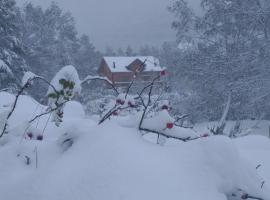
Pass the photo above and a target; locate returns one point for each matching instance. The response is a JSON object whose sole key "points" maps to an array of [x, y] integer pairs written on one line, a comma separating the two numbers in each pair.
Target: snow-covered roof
{"points": [[119, 64]]}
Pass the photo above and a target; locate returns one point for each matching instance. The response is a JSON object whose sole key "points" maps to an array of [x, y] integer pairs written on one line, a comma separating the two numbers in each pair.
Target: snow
{"points": [[258, 127], [120, 63], [28, 76], [73, 109], [159, 123], [112, 161], [89, 78]]}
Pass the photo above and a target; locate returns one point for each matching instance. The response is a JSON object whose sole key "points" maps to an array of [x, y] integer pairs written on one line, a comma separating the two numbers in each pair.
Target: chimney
{"points": [[114, 65]]}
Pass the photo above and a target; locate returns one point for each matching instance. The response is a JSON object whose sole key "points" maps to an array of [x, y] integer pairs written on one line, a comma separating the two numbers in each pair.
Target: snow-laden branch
{"points": [[145, 110], [99, 78]]}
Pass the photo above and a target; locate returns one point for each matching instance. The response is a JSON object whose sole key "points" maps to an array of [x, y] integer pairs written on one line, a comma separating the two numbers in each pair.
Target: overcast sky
{"points": [[118, 23]]}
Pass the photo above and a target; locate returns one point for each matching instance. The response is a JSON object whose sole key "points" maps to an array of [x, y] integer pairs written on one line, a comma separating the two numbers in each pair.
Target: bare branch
{"points": [[168, 136], [48, 111], [130, 85], [128, 89], [111, 112], [149, 85]]}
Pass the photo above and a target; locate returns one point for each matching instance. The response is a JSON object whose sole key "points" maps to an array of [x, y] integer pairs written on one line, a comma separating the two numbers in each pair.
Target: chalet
{"points": [[121, 71]]}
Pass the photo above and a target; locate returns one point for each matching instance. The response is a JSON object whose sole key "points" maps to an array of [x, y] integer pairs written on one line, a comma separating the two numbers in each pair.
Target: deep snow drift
{"points": [[113, 161]]}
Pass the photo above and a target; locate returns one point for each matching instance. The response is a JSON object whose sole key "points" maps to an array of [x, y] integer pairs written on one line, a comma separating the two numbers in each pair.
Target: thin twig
{"points": [[128, 89], [48, 111], [130, 85]]}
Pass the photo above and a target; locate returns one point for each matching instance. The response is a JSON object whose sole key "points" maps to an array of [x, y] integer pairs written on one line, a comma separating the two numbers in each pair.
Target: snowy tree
{"points": [[120, 52], [228, 50], [87, 57], [52, 41], [11, 48], [129, 51], [109, 51]]}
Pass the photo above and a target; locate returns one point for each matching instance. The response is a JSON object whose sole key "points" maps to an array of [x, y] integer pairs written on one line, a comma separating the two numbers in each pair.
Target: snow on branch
{"points": [[151, 125], [99, 78]]}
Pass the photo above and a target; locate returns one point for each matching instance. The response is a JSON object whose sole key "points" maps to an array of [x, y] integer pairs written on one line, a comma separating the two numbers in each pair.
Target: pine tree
{"points": [[11, 49]]}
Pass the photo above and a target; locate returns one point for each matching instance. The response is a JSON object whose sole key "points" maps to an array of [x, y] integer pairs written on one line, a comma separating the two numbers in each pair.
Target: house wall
{"points": [[104, 70], [122, 77], [148, 76]]}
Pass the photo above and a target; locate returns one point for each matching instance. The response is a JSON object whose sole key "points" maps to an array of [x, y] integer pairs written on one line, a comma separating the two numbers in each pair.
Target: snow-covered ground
{"points": [[113, 161]]}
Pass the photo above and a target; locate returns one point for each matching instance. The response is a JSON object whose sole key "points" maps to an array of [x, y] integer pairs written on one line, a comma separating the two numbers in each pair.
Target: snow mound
{"points": [[83, 160], [73, 109], [112, 162]]}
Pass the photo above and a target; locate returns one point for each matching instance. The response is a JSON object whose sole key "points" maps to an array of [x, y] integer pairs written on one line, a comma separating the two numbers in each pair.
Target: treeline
{"points": [[224, 50], [43, 41]]}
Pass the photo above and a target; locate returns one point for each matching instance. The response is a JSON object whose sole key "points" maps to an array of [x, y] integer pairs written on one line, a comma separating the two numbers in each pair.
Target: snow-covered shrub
{"points": [[66, 84]]}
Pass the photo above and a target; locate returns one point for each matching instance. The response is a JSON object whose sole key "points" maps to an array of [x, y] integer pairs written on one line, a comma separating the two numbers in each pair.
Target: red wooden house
{"points": [[121, 71]]}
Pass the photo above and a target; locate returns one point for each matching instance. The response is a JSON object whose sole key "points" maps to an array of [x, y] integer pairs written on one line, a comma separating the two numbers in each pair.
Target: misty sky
{"points": [[118, 23]]}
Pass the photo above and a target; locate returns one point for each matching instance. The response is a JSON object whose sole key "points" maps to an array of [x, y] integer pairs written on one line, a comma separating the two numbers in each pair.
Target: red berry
{"points": [[244, 196], [30, 135], [40, 137], [163, 73], [169, 125], [205, 135], [131, 104], [165, 107], [115, 113], [120, 101]]}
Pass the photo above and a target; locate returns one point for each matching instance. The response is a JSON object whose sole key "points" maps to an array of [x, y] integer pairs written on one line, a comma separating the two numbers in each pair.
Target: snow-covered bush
{"points": [[66, 84]]}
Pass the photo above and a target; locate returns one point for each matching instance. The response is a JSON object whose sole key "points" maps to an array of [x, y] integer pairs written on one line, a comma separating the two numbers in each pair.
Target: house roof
{"points": [[119, 64]]}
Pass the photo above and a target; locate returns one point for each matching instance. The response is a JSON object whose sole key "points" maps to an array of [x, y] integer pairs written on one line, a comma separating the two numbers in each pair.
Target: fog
{"points": [[120, 23]]}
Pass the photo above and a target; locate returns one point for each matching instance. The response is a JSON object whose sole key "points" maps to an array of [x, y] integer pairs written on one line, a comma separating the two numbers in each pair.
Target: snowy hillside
{"points": [[113, 161]]}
